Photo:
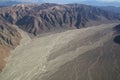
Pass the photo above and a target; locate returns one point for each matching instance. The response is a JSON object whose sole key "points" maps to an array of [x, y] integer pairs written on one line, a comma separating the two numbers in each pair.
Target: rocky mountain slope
{"points": [[46, 17], [9, 3], [9, 39]]}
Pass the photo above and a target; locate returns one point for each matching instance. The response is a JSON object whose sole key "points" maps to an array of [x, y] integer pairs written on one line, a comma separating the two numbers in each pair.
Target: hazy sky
{"points": [[109, 0], [61, 1]]}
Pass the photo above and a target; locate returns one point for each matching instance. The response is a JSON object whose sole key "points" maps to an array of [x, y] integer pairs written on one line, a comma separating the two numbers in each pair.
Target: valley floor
{"points": [[42, 58]]}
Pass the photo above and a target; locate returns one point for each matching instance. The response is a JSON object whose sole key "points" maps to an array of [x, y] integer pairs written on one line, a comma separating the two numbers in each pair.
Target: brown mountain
{"points": [[47, 17], [9, 39]]}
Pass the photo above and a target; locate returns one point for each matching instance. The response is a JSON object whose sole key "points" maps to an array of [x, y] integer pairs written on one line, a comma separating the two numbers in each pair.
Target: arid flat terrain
{"points": [[79, 54]]}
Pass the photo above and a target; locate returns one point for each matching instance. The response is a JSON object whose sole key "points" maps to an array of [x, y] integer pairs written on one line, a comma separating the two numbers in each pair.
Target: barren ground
{"points": [[45, 58]]}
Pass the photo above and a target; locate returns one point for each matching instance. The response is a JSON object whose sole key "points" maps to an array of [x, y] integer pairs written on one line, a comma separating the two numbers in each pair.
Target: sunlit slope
{"points": [[81, 54]]}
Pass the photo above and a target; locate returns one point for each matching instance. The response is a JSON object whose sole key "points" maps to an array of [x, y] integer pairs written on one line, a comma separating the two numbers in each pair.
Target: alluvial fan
{"points": [[80, 54]]}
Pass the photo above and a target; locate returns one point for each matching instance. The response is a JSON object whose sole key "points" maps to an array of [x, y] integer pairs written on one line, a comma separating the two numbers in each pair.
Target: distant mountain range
{"points": [[9, 3], [108, 6], [88, 2], [111, 8], [100, 3]]}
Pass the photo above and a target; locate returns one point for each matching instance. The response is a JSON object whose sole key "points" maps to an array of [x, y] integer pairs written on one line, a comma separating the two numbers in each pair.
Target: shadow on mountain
{"points": [[117, 39], [117, 28]]}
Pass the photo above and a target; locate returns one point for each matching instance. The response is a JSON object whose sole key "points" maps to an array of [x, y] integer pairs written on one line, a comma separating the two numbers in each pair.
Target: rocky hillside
{"points": [[47, 17], [9, 39]]}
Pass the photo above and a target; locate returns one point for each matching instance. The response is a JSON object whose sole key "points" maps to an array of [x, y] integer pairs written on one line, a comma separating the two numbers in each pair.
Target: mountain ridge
{"points": [[45, 17]]}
